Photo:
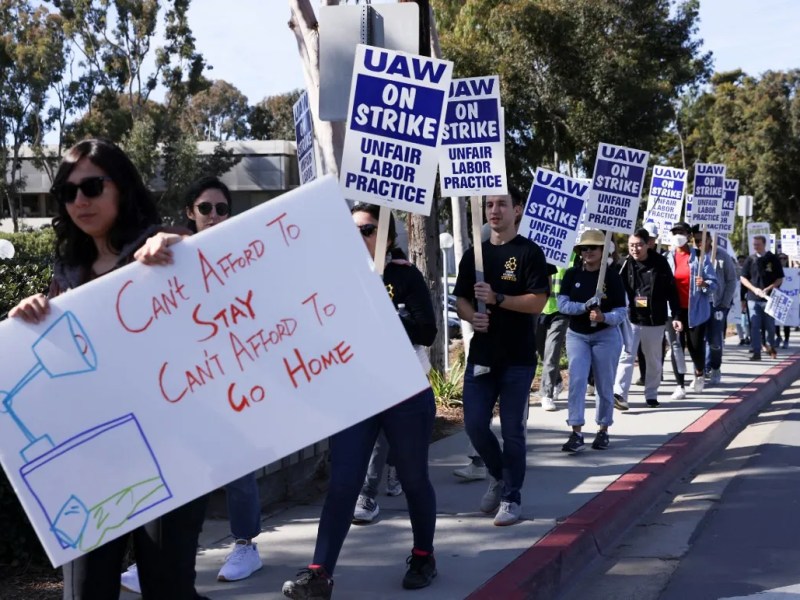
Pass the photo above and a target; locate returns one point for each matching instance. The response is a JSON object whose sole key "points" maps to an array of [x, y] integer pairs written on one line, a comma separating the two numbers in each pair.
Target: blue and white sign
{"points": [[394, 128], [553, 214], [791, 288], [689, 204], [789, 242], [472, 158], [762, 230], [728, 211], [779, 305], [616, 188], [665, 201], [709, 189], [304, 134]]}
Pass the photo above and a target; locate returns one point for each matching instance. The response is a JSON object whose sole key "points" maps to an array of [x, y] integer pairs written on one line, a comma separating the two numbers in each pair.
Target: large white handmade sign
{"points": [[665, 200], [154, 385], [394, 128], [472, 159], [709, 190], [553, 213], [616, 188], [791, 288], [779, 305]]}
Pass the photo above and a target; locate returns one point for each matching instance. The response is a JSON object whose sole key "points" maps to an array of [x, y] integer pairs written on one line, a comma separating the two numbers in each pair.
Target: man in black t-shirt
{"points": [[762, 272], [502, 355]]}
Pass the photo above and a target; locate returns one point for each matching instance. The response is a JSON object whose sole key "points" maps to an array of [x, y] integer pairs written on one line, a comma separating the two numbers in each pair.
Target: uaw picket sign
{"points": [[709, 190], [616, 188], [304, 133], [665, 200], [791, 288], [779, 305], [553, 214], [154, 385], [727, 214], [394, 127], [472, 160]]}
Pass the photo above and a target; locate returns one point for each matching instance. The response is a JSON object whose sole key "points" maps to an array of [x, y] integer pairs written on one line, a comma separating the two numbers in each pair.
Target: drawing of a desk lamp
{"points": [[63, 349]]}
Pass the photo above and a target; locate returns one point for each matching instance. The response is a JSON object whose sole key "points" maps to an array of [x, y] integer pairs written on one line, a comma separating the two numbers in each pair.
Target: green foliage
{"points": [[272, 118], [26, 274], [448, 387]]}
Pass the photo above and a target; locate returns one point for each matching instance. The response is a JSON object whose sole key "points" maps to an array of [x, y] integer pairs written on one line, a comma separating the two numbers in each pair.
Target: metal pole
{"points": [[445, 287]]}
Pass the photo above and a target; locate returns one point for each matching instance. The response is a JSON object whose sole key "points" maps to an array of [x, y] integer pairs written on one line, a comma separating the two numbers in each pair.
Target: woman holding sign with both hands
{"points": [[104, 214]]}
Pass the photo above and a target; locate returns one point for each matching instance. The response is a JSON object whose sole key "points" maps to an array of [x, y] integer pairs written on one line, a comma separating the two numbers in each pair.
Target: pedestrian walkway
{"points": [[573, 505]]}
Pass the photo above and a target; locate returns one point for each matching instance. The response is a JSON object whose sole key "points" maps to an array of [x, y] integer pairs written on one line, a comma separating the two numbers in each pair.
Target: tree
{"points": [[217, 113], [31, 62], [272, 118]]}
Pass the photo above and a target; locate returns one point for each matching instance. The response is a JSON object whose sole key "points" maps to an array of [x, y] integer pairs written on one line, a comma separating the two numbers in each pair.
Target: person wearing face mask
{"points": [[695, 285], [762, 272], [650, 287]]}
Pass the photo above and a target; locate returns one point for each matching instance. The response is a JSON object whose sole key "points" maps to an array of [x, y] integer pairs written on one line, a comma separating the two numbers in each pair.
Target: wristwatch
{"points": [[498, 299]]}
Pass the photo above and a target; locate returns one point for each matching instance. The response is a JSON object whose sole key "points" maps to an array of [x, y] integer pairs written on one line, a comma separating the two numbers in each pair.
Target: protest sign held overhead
{"points": [[758, 229], [616, 188], [552, 214], [472, 158], [727, 213], [394, 128], [114, 401], [789, 242], [709, 190], [665, 200], [304, 134]]}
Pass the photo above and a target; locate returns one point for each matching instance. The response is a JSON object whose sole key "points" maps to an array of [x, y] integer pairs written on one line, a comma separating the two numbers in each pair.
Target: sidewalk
{"points": [[574, 506]]}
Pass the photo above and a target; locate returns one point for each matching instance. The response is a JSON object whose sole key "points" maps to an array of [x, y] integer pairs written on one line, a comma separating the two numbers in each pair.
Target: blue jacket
{"points": [[699, 298]]}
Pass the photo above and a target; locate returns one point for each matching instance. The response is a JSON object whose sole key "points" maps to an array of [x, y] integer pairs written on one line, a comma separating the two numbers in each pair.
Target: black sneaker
{"points": [[574, 443], [639, 382], [620, 403], [600, 440], [755, 357], [312, 583], [652, 402], [420, 573]]}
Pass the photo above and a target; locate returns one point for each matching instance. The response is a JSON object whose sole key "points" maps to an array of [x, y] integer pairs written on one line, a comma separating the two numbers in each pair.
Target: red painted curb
{"points": [[542, 570]]}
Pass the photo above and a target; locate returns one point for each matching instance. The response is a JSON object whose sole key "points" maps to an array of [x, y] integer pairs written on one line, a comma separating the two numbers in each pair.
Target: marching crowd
{"points": [[603, 313]]}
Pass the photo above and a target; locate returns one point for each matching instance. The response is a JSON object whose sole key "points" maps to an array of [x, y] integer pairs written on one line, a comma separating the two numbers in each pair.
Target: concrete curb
{"points": [[544, 569]]}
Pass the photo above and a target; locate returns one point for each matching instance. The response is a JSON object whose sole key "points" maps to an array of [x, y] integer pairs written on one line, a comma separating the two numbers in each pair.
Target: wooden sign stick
{"points": [[477, 243], [382, 241]]}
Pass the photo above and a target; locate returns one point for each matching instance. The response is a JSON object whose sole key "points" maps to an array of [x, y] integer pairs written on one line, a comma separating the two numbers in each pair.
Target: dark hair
{"points": [[196, 188], [642, 234], [741, 257], [374, 211], [136, 210], [516, 196], [762, 238]]}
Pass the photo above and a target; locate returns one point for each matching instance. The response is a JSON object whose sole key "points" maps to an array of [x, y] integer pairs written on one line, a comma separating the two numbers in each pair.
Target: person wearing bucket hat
{"points": [[696, 285], [593, 338]]}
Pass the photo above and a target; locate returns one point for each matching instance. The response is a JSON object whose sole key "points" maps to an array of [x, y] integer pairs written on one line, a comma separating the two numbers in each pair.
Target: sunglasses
{"points": [[204, 208], [588, 248], [91, 187], [368, 229]]}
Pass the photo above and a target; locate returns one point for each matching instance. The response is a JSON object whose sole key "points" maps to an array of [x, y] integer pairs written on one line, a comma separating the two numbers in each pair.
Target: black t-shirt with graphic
{"points": [[515, 268], [761, 271], [580, 285]]}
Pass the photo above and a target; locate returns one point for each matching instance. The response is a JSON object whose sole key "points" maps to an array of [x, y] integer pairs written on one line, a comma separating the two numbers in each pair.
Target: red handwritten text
{"points": [[339, 355], [256, 395], [160, 305], [328, 310], [289, 231], [258, 343], [228, 316], [191, 380], [223, 268]]}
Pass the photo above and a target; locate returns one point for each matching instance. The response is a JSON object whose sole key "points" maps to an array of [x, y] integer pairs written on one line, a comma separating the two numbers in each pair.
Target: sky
{"points": [[250, 45]]}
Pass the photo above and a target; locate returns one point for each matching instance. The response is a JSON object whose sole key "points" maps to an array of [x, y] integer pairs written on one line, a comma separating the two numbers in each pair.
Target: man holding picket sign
{"points": [[762, 272], [502, 355]]}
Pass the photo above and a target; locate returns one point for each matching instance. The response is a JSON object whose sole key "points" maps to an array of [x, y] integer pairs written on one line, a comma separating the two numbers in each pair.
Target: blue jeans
{"points": [[244, 507], [715, 337], [759, 320], [408, 427], [511, 386], [599, 351]]}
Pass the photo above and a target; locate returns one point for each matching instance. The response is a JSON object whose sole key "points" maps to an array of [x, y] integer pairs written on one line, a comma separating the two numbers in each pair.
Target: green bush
{"points": [[26, 274]]}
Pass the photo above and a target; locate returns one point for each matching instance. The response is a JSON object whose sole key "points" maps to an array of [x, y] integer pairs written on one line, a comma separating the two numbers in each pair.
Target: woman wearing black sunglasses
{"points": [[104, 214], [408, 427], [208, 202]]}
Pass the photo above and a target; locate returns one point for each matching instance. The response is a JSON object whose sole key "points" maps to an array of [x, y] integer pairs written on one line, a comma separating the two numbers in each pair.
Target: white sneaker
{"points": [[508, 514], [129, 580], [679, 393], [557, 390], [471, 472], [589, 390], [393, 486], [366, 510], [698, 383], [241, 563], [549, 404], [491, 499]]}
